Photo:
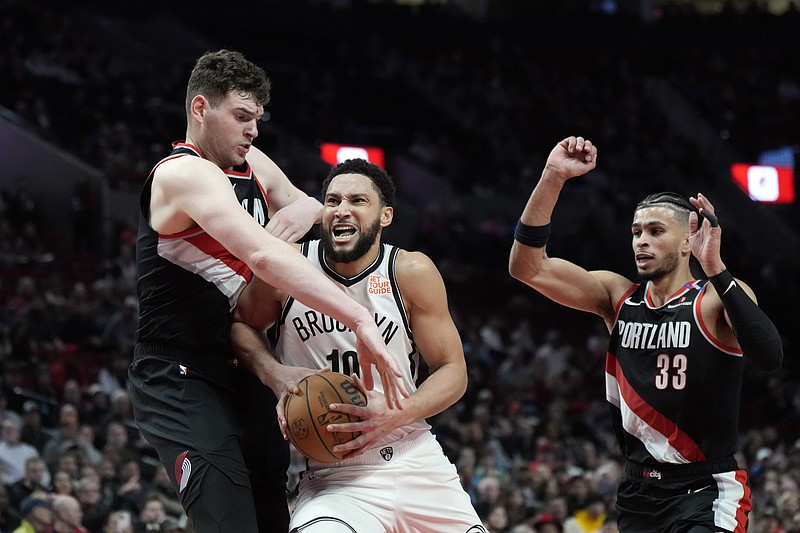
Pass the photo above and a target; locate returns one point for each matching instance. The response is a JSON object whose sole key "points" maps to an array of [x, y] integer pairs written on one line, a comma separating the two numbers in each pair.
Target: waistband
{"points": [[204, 361], [674, 472], [381, 454]]}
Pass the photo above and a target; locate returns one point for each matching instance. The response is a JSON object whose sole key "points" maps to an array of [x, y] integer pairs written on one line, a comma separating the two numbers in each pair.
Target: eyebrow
{"points": [[247, 111], [648, 223]]}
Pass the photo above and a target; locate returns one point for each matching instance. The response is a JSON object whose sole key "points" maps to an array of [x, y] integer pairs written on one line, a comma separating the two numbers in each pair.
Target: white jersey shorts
{"points": [[403, 487]]}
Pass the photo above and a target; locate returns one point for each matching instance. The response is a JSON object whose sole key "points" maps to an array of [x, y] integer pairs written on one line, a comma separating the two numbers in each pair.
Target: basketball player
{"points": [[201, 239], [676, 354], [396, 477]]}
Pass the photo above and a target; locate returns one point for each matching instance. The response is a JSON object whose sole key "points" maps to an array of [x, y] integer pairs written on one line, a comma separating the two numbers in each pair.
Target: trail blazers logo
{"points": [[183, 469], [387, 453]]}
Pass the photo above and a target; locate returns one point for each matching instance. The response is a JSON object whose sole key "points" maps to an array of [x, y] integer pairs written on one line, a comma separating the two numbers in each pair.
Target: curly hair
{"points": [[217, 73], [380, 179]]}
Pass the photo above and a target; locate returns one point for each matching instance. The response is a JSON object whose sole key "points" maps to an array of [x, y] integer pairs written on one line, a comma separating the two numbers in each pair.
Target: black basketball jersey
{"points": [[672, 388], [188, 283]]}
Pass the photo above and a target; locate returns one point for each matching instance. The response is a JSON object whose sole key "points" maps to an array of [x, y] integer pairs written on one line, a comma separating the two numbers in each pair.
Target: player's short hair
{"points": [[380, 179], [679, 205], [217, 73]]}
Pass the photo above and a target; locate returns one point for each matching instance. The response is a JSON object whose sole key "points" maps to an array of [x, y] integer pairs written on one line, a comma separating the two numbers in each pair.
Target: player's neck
{"points": [[662, 289], [352, 269]]}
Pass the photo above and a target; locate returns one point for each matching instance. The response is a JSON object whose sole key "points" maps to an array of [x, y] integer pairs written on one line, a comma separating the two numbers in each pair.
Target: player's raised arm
{"points": [[560, 280]]}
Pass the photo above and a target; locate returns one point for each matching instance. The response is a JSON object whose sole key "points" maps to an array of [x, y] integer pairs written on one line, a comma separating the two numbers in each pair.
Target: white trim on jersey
{"points": [[187, 256], [656, 444]]}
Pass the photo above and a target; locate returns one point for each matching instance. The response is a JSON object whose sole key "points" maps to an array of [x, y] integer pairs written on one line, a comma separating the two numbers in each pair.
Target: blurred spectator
{"points": [[32, 430], [63, 483], [151, 514], [161, 484], [37, 515], [95, 509], [589, 518], [118, 522], [547, 523], [9, 516], [5, 412], [490, 494], [497, 520], [13, 452], [85, 441], [67, 515], [34, 480], [130, 488], [65, 437]]}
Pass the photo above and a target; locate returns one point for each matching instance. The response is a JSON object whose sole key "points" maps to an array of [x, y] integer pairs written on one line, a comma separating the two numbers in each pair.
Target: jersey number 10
{"points": [[346, 364]]}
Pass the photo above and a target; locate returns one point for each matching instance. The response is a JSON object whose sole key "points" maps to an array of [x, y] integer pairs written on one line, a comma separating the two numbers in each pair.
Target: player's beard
{"points": [[667, 266], [361, 247]]}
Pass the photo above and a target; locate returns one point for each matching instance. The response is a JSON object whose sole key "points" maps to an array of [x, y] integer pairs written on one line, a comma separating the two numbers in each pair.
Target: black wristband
{"points": [[535, 236], [722, 281], [757, 335]]}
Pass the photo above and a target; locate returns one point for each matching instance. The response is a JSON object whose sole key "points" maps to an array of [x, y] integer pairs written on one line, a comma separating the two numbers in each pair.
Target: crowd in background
{"points": [[531, 437]]}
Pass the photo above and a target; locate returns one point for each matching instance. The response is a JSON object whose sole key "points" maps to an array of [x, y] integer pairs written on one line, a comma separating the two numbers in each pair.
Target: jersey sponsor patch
{"points": [[379, 285]]}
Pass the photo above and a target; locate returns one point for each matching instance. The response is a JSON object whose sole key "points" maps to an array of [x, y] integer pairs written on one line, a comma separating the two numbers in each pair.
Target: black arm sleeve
{"points": [[757, 335]]}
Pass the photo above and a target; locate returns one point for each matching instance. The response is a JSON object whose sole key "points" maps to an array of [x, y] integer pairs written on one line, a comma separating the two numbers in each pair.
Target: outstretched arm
{"points": [[292, 212], [754, 331], [560, 280], [196, 189]]}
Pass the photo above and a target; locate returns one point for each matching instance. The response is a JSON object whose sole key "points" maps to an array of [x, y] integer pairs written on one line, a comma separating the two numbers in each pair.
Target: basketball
{"points": [[307, 415]]}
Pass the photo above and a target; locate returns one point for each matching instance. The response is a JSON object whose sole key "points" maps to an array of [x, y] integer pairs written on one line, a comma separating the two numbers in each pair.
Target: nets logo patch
{"points": [[387, 453], [379, 285]]}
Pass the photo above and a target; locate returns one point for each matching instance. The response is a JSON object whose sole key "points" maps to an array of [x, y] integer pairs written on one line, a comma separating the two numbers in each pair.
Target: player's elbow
{"points": [[522, 267], [762, 344], [770, 359]]}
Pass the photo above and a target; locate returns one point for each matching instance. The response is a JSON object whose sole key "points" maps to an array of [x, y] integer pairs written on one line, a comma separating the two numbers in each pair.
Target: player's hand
{"points": [[574, 156], [285, 382], [377, 420], [372, 351], [293, 221], [705, 237]]}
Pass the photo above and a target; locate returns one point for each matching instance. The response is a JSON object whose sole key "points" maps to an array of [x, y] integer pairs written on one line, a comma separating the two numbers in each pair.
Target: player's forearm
{"points": [[543, 199], [251, 352], [757, 335], [293, 273], [533, 229], [443, 387]]}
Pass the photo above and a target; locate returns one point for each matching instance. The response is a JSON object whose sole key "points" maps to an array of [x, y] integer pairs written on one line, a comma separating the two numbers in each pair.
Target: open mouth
{"points": [[343, 232], [642, 258]]}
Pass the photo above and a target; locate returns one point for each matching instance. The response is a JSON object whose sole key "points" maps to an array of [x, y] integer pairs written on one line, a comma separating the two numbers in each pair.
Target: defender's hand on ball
{"points": [[376, 421]]}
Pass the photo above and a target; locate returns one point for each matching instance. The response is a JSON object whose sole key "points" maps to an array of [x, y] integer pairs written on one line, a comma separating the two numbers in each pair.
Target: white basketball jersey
{"points": [[306, 337]]}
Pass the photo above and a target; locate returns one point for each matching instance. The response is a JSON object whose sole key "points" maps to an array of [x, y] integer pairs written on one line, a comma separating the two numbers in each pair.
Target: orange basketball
{"points": [[307, 414]]}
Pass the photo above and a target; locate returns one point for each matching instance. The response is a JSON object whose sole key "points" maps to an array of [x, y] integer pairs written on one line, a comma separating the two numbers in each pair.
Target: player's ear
{"points": [[198, 107], [387, 214]]}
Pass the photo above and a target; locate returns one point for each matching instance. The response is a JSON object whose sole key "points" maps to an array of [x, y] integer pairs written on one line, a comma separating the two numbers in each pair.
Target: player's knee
{"points": [[324, 524], [223, 506]]}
